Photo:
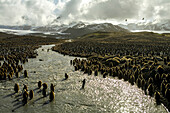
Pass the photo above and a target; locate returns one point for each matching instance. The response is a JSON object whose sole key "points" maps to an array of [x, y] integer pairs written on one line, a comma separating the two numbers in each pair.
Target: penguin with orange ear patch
{"points": [[25, 87], [17, 74], [52, 96], [5, 76], [167, 94], [150, 89], [45, 85], [157, 97], [25, 97], [9, 77]]}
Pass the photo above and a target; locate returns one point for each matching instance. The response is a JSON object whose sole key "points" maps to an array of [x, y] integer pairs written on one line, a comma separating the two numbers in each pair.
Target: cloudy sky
{"points": [[44, 12]]}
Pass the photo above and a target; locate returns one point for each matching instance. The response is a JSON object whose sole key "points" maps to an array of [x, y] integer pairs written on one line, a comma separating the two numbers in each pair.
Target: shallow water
{"points": [[100, 95]]}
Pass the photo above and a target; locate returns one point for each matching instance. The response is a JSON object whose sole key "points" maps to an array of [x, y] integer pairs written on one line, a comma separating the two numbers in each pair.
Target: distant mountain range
{"points": [[82, 29], [72, 30], [78, 29], [24, 27], [155, 26]]}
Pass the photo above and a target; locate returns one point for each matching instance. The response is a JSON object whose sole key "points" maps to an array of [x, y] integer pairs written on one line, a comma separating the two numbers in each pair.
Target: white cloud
{"points": [[43, 12], [31, 12], [91, 10]]}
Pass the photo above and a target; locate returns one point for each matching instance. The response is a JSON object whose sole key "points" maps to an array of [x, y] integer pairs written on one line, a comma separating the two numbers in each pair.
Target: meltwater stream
{"points": [[100, 94]]}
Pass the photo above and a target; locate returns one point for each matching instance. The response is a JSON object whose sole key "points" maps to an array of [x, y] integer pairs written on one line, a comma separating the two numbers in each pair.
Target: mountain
{"points": [[24, 27], [81, 29], [163, 25], [71, 30], [46, 28]]}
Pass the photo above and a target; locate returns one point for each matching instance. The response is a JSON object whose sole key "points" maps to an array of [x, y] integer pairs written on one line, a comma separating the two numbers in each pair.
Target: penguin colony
{"points": [[30, 95], [11, 62], [147, 67], [14, 53], [142, 58], [11, 67], [145, 72]]}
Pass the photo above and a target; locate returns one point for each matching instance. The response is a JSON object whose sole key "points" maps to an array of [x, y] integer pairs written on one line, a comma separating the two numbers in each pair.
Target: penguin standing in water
{"points": [[44, 91], [66, 76], [84, 82], [52, 87], [31, 94], [45, 85], [39, 84], [48, 50], [16, 88], [25, 97], [52, 96], [25, 87], [25, 73]]}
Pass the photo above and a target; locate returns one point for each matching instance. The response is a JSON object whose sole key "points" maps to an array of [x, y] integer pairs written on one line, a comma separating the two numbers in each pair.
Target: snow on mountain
{"points": [[163, 25], [78, 25], [82, 29], [60, 28], [72, 30], [77, 29]]}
